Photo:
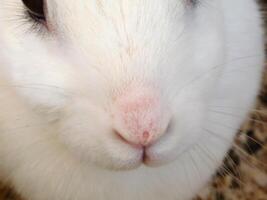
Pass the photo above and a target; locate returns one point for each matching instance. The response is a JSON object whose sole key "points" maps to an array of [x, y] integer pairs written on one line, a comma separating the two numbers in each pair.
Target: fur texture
{"points": [[59, 107]]}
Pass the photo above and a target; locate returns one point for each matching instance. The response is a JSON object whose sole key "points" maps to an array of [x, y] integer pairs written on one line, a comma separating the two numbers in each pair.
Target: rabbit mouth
{"points": [[144, 155]]}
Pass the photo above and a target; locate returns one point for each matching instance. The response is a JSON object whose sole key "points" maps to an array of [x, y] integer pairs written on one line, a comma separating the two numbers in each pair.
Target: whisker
{"points": [[49, 169], [22, 151], [187, 177], [213, 70], [195, 163], [237, 116], [249, 137], [226, 171], [234, 166], [242, 151], [39, 86], [260, 111]]}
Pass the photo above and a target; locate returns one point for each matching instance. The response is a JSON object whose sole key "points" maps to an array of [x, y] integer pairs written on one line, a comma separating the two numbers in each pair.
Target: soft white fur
{"points": [[56, 139]]}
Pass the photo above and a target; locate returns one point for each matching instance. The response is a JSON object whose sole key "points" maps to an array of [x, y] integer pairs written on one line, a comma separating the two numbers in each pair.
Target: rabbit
{"points": [[128, 99]]}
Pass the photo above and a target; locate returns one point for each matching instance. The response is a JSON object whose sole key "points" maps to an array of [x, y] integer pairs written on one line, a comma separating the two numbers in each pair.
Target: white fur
{"points": [[56, 139]]}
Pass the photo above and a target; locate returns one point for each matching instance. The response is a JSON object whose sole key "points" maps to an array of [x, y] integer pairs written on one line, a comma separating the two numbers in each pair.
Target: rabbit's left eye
{"points": [[192, 2], [35, 9]]}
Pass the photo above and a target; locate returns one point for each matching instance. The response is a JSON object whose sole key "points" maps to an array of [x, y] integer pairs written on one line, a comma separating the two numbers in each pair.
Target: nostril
{"points": [[146, 135], [169, 128], [145, 138], [142, 141], [124, 140]]}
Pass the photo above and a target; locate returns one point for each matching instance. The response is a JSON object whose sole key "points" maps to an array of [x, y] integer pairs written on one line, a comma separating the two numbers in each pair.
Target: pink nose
{"points": [[140, 119]]}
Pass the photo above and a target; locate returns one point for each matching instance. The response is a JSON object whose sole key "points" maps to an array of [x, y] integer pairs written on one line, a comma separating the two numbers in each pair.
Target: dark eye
{"points": [[35, 9], [192, 2]]}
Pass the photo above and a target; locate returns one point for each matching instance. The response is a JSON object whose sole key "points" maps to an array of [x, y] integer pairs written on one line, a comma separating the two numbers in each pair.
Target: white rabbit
{"points": [[123, 99]]}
